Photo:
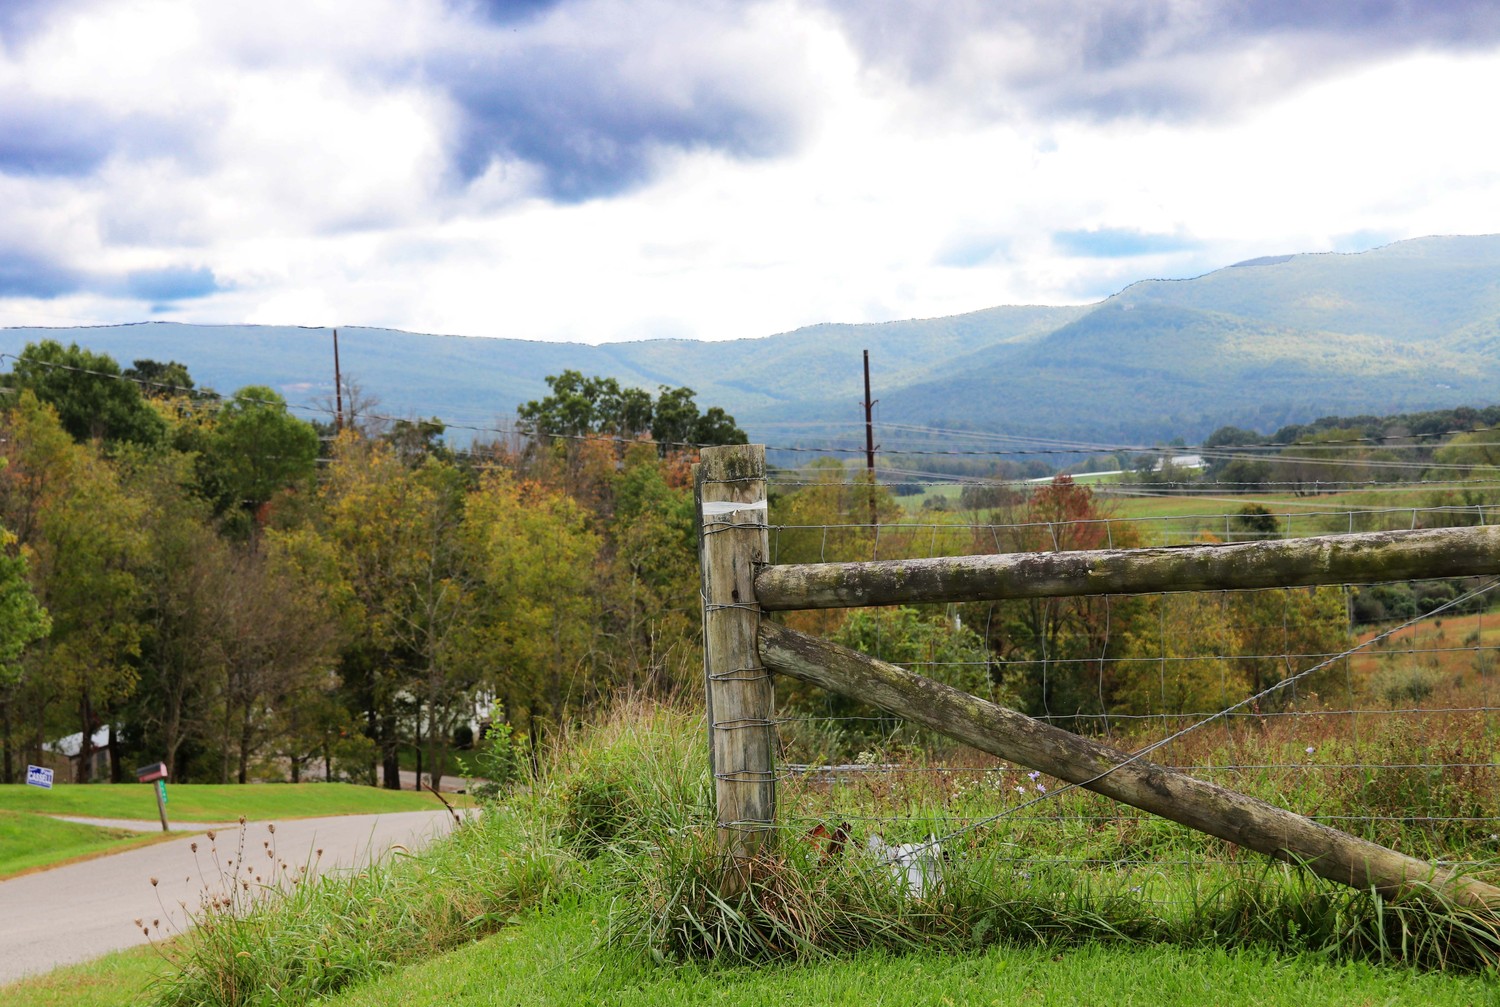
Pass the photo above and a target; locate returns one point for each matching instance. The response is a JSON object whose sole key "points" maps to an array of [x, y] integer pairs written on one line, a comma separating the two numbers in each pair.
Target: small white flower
{"points": [[1310, 749], [1041, 788], [1021, 791]]}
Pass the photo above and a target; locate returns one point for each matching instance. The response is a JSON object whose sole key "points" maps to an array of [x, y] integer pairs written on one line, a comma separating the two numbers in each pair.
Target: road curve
{"points": [[81, 911]]}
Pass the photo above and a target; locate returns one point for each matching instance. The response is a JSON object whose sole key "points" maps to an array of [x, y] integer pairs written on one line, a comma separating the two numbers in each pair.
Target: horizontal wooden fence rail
{"points": [[1301, 562], [1207, 807]]}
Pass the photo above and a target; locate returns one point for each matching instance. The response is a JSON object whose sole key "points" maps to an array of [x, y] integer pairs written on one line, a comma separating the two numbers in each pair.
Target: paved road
{"points": [[75, 913]]}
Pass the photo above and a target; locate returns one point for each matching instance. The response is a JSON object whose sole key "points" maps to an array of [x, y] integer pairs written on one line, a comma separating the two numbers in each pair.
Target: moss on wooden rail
{"points": [[1301, 562]]}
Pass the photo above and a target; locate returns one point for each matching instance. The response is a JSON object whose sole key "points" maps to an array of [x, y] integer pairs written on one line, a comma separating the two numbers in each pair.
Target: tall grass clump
{"points": [[1072, 870], [288, 937], [640, 772], [797, 904], [294, 938]]}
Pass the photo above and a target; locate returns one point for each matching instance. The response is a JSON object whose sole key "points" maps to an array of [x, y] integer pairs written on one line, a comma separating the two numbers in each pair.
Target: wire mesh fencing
{"points": [[1370, 708]]}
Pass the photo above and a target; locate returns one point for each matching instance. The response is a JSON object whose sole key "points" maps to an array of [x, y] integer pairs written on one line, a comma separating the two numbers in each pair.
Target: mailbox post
{"points": [[156, 772]]}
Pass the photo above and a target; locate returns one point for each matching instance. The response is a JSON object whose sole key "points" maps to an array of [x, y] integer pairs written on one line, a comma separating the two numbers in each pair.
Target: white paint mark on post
{"points": [[718, 508]]}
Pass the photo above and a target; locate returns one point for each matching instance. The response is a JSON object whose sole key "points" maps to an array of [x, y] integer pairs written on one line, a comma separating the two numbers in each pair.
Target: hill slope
{"points": [[1414, 325]]}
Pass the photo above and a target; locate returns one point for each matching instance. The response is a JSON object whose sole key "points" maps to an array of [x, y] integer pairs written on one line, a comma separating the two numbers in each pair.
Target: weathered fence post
{"points": [[731, 490]]}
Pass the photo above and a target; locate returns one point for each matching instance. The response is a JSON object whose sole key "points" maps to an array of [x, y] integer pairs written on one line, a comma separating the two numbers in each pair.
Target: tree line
{"points": [[241, 592], [244, 594]]}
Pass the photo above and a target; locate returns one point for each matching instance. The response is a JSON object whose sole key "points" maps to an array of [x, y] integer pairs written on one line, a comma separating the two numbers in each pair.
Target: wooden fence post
{"points": [[730, 483]]}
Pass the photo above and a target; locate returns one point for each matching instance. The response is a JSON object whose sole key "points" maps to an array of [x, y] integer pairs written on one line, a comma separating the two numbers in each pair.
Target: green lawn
{"points": [[122, 979], [552, 960], [212, 802], [28, 842]]}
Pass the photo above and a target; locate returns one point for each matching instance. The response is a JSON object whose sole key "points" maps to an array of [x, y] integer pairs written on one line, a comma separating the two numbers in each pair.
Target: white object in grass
{"points": [[918, 866]]}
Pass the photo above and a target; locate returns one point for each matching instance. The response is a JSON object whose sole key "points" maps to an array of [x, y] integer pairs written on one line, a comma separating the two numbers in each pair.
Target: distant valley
{"points": [[1414, 325]]}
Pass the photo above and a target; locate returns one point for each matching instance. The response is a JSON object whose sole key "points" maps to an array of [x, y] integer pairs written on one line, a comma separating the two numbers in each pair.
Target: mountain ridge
{"points": [[1408, 326]]}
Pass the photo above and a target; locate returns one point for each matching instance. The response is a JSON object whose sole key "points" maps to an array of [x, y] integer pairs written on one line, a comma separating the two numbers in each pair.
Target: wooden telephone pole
{"points": [[870, 442], [338, 388]]}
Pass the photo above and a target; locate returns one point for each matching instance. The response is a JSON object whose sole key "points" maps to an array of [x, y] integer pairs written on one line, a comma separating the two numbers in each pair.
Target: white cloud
{"points": [[305, 154]]}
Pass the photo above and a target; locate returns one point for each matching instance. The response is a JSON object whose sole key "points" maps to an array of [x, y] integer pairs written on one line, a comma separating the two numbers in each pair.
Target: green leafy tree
{"points": [[932, 643], [535, 556], [1285, 632], [652, 601], [1056, 653], [169, 380], [181, 575], [92, 398], [1254, 523], [83, 535], [256, 450], [275, 642], [1178, 659], [581, 405], [1462, 451], [22, 621], [373, 517]]}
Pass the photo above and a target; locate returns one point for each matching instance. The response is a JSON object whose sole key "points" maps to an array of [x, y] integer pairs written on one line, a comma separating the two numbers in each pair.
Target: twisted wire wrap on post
{"points": [[743, 723]]}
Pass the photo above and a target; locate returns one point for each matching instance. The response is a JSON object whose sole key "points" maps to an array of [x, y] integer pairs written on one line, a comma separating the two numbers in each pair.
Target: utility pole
{"points": [[870, 441], [338, 388]]}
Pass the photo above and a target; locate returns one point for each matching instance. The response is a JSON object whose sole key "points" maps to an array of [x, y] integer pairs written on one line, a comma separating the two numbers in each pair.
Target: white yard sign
{"points": [[37, 776]]}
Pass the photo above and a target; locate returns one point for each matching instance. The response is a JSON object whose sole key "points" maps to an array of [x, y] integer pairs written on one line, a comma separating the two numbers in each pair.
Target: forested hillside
{"points": [[1279, 340]]}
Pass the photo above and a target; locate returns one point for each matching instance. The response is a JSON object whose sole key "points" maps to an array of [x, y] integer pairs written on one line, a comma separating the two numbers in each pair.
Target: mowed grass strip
{"points": [[32, 842], [553, 958], [213, 802], [122, 979]]}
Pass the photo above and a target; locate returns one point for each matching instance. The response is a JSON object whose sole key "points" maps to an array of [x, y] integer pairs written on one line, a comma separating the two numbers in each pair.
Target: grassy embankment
{"points": [[31, 839], [597, 884]]}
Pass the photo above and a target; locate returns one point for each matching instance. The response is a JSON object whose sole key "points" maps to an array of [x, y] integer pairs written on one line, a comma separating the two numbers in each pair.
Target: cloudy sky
{"points": [[599, 170]]}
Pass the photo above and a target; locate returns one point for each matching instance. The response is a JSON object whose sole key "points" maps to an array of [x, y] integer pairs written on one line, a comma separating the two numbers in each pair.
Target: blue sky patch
{"points": [[1119, 243], [175, 283], [26, 275]]}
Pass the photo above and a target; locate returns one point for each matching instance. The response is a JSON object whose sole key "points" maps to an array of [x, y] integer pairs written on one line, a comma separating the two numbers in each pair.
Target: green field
{"points": [[30, 839], [1180, 518], [213, 802], [29, 842]]}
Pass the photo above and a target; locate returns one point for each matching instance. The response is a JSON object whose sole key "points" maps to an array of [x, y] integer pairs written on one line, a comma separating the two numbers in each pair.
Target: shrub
{"points": [[498, 759]]}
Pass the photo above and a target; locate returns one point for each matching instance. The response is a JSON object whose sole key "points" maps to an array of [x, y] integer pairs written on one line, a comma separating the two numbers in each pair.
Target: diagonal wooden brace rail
{"points": [[1209, 808], [1300, 562]]}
